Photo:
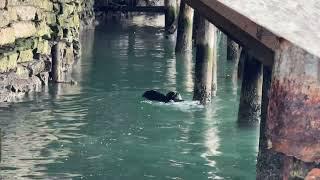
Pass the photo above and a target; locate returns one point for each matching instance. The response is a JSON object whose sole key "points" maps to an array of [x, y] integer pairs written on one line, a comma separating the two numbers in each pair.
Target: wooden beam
{"points": [[154, 9], [258, 41]]}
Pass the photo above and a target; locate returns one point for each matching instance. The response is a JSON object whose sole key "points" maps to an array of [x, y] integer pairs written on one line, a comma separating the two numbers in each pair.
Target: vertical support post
{"points": [[205, 41], [62, 61], [233, 50], [251, 90], [196, 17], [185, 23], [214, 86], [170, 16], [293, 121], [268, 163], [235, 69], [57, 62]]}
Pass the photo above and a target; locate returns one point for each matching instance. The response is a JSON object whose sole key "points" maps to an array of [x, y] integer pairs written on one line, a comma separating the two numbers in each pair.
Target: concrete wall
{"points": [[29, 33]]}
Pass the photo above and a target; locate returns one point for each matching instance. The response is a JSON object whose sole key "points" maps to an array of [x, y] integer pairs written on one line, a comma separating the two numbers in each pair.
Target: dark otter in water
{"points": [[157, 96]]}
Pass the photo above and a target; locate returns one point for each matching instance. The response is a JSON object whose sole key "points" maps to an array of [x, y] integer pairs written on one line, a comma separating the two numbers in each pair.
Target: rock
{"points": [[4, 18], [24, 44], [26, 13], [8, 63], [23, 72], [24, 29], [25, 56], [12, 60], [43, 30], [13, 13], [37, 67], [43, 4], [7, 36], [7, 48], [3, 4], [50, 18], [28, 31], [46, 5], [43, 47], [26, 85], [67, 9], [44, 78], [73, 21]]}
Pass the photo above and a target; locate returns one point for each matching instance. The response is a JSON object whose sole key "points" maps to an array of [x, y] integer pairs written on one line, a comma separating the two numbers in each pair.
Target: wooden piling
{"points": [[170, 16], [251, 90], [233, 50], [268, 162], [205, 41], [214, 86], [57, 62], [185, 25]]}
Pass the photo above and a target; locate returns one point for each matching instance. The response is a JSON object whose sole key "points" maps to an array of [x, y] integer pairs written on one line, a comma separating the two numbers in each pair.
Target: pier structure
{"points": [[276, 34]]}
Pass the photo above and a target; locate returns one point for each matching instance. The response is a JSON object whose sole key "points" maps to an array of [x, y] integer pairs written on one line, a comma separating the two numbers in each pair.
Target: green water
{"points": [[103, 129]]}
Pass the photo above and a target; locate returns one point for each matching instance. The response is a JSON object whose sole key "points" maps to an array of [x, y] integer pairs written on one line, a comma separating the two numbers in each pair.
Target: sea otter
{"points": [[157, 96]]}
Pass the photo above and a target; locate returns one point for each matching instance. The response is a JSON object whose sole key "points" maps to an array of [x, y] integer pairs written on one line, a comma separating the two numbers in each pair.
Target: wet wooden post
{"points": [[205, 41], [237, 69], [268, 163], [293, 119], [185, 25], [214, 87], [57, 74], [251, 90], [170, 16], [233, 50]]}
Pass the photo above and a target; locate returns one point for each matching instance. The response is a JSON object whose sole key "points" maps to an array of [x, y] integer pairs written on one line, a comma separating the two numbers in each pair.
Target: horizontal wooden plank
{"points": [[261, 24], [155, 9]]}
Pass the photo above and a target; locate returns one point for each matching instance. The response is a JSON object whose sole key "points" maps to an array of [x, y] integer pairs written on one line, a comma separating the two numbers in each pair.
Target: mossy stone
{"points": [[43, 47], [25, 56], [24, 44]]}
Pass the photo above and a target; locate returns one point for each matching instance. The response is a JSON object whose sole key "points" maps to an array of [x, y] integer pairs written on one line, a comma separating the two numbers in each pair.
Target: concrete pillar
{"points": [[185, 25], [293, 120], [170, 16], [251, 90], [205, 41], [233, 50]]}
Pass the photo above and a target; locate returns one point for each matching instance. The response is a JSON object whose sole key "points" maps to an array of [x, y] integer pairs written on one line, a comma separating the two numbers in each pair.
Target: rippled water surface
{"points": [[101, 128]]}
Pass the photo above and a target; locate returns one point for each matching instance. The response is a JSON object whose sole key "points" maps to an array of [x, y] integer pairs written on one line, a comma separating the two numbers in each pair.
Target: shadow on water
{"points": [[103, 129]]}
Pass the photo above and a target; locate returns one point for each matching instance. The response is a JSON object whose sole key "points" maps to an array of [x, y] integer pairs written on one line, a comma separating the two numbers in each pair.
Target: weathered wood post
{"points": [[185, 25], [62, 60], [268, 163], [196, 17], [205, 41], [170, 16], [233, 50], [57, 62], [235, 69], [251, 90], [293, 119], [214, 86]]}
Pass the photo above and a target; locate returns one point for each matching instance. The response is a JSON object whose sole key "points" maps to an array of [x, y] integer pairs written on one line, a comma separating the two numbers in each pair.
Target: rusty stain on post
{"points": [[293, 125], [314, 174]]}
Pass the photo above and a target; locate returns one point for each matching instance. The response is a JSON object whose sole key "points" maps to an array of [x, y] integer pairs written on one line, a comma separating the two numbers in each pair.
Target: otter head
{"points": [[174, 96]]}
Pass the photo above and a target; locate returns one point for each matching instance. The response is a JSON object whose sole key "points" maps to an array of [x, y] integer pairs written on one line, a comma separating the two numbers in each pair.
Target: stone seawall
{"points": [[39, 42]]}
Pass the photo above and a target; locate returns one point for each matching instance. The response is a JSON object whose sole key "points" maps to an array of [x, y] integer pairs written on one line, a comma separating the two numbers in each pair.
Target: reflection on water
{"points": [[30, 129], [101, 128]]}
